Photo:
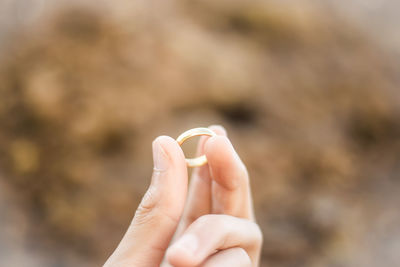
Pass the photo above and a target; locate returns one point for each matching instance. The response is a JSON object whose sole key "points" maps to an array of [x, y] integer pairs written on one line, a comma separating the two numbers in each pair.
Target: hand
{"points": [[216, 228]]}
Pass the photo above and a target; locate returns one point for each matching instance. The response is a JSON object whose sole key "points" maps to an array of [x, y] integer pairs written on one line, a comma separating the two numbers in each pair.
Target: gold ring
{"points": [[199, 161]]}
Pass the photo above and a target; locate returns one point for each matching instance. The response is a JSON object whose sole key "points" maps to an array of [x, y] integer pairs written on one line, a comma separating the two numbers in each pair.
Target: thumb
{"points": [[158, 214]]}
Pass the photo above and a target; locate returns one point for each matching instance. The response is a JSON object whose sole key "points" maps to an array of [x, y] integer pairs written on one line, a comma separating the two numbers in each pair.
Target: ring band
{"points": [[199, 161]]}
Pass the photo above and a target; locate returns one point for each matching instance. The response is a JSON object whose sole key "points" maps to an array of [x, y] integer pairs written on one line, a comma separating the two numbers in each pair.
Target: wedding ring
{"points": [[199, 161]]}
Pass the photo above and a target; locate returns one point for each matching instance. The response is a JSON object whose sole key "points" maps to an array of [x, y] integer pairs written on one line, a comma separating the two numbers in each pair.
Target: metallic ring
{"points": [[199, 161]]}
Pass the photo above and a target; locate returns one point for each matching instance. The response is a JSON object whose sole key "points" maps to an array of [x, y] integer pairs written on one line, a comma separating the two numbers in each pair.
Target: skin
{"points": [[210, 224]]}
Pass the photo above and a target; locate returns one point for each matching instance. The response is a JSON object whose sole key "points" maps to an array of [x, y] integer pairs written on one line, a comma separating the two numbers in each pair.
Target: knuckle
{"points": [[203, 220], [243, 257], [144, 213], [210, 219], [258, 236], [150, 199], [151, 210]]}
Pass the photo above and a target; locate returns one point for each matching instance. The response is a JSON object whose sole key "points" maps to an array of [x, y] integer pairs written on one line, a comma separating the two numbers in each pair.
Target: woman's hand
{"points": [[216, 225]]}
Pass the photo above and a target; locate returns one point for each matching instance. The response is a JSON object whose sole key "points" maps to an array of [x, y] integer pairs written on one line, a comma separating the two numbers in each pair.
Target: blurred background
{"points": [[308, 91]]}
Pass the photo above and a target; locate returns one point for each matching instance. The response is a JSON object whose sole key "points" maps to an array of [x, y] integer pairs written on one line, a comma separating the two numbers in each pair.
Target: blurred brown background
{"points": [[308, 90]]}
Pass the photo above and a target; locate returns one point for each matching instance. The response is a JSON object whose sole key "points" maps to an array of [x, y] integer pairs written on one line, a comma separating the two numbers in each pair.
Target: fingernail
{"points": [[160, 158], [188, 243]]}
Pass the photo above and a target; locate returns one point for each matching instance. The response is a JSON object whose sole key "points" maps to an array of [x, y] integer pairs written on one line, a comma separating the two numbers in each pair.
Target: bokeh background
{"points": [[308, 91]]}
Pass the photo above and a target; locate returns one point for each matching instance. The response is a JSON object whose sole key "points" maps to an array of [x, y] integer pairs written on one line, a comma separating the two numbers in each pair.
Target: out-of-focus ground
{"points": [[309, 93]]}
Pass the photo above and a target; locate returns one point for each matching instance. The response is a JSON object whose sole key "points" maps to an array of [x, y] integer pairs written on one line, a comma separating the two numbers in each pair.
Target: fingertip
{"points": [[225, 165], [165, 141], [184, 252], [218, 149], [173, 257], [177, 256], [218, 129], [171, 148]]}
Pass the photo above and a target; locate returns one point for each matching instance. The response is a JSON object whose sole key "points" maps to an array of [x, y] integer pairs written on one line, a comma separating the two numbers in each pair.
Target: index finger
{"points": [[231, 193]]}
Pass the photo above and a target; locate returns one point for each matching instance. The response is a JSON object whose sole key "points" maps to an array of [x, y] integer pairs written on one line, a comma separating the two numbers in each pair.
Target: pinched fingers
{"points": [[199, 198]]}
